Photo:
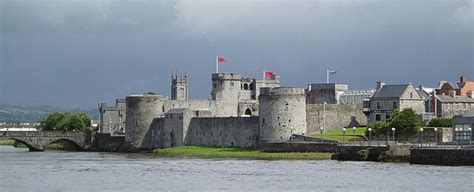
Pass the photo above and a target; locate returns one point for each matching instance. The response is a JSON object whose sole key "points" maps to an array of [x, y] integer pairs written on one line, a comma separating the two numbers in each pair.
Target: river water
{"points": [[21, 170]]}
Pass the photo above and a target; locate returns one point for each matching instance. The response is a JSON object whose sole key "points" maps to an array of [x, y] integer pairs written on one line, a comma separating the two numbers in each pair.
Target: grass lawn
{"points": [[336, 134], [233, 152], [7, 142]]}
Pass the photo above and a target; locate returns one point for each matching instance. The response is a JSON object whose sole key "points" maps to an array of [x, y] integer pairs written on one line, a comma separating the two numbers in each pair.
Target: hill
{"points": [[15, 113]]}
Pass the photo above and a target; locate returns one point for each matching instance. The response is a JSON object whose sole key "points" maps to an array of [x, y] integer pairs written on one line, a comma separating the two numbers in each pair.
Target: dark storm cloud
{"points": [[76, 53]]}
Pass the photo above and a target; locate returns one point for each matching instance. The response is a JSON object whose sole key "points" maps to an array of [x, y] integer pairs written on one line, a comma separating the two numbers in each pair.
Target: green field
{"points": [[337, 134], [233, 152], [7, 142]]}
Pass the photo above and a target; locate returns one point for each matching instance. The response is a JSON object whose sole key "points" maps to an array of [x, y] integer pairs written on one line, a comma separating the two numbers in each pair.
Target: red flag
{"points": [[220, 59], [269, 74]]}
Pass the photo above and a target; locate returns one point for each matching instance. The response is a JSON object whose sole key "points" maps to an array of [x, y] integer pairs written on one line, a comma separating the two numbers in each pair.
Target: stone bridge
{"points": [[37, 140]]}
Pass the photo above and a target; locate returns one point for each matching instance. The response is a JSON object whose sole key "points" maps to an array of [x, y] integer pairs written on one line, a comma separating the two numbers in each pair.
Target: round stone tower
{"points": [[140, 112], [282, 113]]}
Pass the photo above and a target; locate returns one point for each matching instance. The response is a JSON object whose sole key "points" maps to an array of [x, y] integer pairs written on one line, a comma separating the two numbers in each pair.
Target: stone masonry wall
{"points": [[337, 116], [223, 131]]}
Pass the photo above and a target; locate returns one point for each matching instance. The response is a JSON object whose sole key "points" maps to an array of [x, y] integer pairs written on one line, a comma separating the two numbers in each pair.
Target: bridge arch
{"points": [[28, 145], [74, 144]]}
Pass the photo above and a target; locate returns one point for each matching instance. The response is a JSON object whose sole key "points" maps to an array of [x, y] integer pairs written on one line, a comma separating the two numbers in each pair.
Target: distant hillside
{"points": [[14, 113]]}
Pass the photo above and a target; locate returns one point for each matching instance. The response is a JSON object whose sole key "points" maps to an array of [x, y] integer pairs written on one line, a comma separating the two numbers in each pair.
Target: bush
{"points": [[441, 122], [406, 123]]}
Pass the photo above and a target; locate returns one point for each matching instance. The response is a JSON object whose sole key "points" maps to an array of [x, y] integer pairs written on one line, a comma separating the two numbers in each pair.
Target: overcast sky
{"points": [[77, 53]]}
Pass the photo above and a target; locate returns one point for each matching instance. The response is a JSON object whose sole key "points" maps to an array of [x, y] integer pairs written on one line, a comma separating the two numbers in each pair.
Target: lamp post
{"points": [[436, 136], [322, 130], [393, 134], [470, 134], [370, 135], [353, 133], [343, 136], [421, 137], [456, 136]]}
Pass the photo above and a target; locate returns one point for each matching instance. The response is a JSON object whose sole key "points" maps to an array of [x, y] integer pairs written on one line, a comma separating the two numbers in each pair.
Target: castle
{"points": [[242, 112]]}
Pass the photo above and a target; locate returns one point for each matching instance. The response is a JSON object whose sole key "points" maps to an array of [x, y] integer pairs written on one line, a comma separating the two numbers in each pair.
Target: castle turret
{"points": [[225, 91], [179, 87], [141, 110], [282, 113]]}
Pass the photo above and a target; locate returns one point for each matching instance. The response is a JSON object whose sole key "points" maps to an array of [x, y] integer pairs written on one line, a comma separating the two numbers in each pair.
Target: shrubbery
{"points": [[441, 122], [406, 123], [67, 122]]}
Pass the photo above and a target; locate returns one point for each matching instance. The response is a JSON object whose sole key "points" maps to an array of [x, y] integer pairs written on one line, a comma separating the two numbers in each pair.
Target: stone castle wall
{"points": [[337, 116], [223, 131]]}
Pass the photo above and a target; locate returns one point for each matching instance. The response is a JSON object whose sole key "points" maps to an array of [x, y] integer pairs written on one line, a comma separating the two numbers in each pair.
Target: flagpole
{"points": [[217, 64], [263, 78], [327, 75]]}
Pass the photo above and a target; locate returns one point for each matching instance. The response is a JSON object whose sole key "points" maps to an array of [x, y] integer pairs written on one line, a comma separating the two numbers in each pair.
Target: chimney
{"points": [[452, 93], [462, 79], [420, 87], [380, 84]]}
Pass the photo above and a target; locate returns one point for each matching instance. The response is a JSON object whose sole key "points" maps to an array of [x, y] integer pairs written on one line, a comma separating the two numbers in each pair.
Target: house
{"points": [[388, 98], [447, 106], [464, 87], [453, 98]]}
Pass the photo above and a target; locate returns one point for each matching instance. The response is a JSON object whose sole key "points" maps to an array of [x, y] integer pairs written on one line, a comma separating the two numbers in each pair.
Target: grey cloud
{"points": [[75, 53]]}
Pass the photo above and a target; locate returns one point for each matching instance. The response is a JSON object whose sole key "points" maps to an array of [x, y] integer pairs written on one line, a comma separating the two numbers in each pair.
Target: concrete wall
{"points": [[442, 156], [223, 131], [282, 114], [300, 147], [337, 116]]}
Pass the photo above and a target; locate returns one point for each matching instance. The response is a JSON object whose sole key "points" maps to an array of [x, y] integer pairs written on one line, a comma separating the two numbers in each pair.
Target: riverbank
{"points": [[241, 153], [9, 142]]}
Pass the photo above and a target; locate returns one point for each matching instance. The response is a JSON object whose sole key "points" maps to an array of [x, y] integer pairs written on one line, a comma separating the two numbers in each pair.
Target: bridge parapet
{"points": [[37, 140]]}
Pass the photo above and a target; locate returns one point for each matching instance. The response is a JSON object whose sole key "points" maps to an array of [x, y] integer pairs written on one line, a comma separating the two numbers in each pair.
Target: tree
{"points": [[406, 123], [52, 120], [441, 122], [67, 122]]}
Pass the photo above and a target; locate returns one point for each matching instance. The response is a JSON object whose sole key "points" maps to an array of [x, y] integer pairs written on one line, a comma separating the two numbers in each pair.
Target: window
{"points": [[232, 84], [411, 95], [387, 117], [377, 117], [197, 113], [246, 86], [251, 86], [378, 105], [214, 85], [395, 105]]}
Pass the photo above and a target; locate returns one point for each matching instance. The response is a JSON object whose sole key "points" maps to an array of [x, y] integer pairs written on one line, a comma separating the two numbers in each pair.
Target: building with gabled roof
{"points": [[388, 98]]}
